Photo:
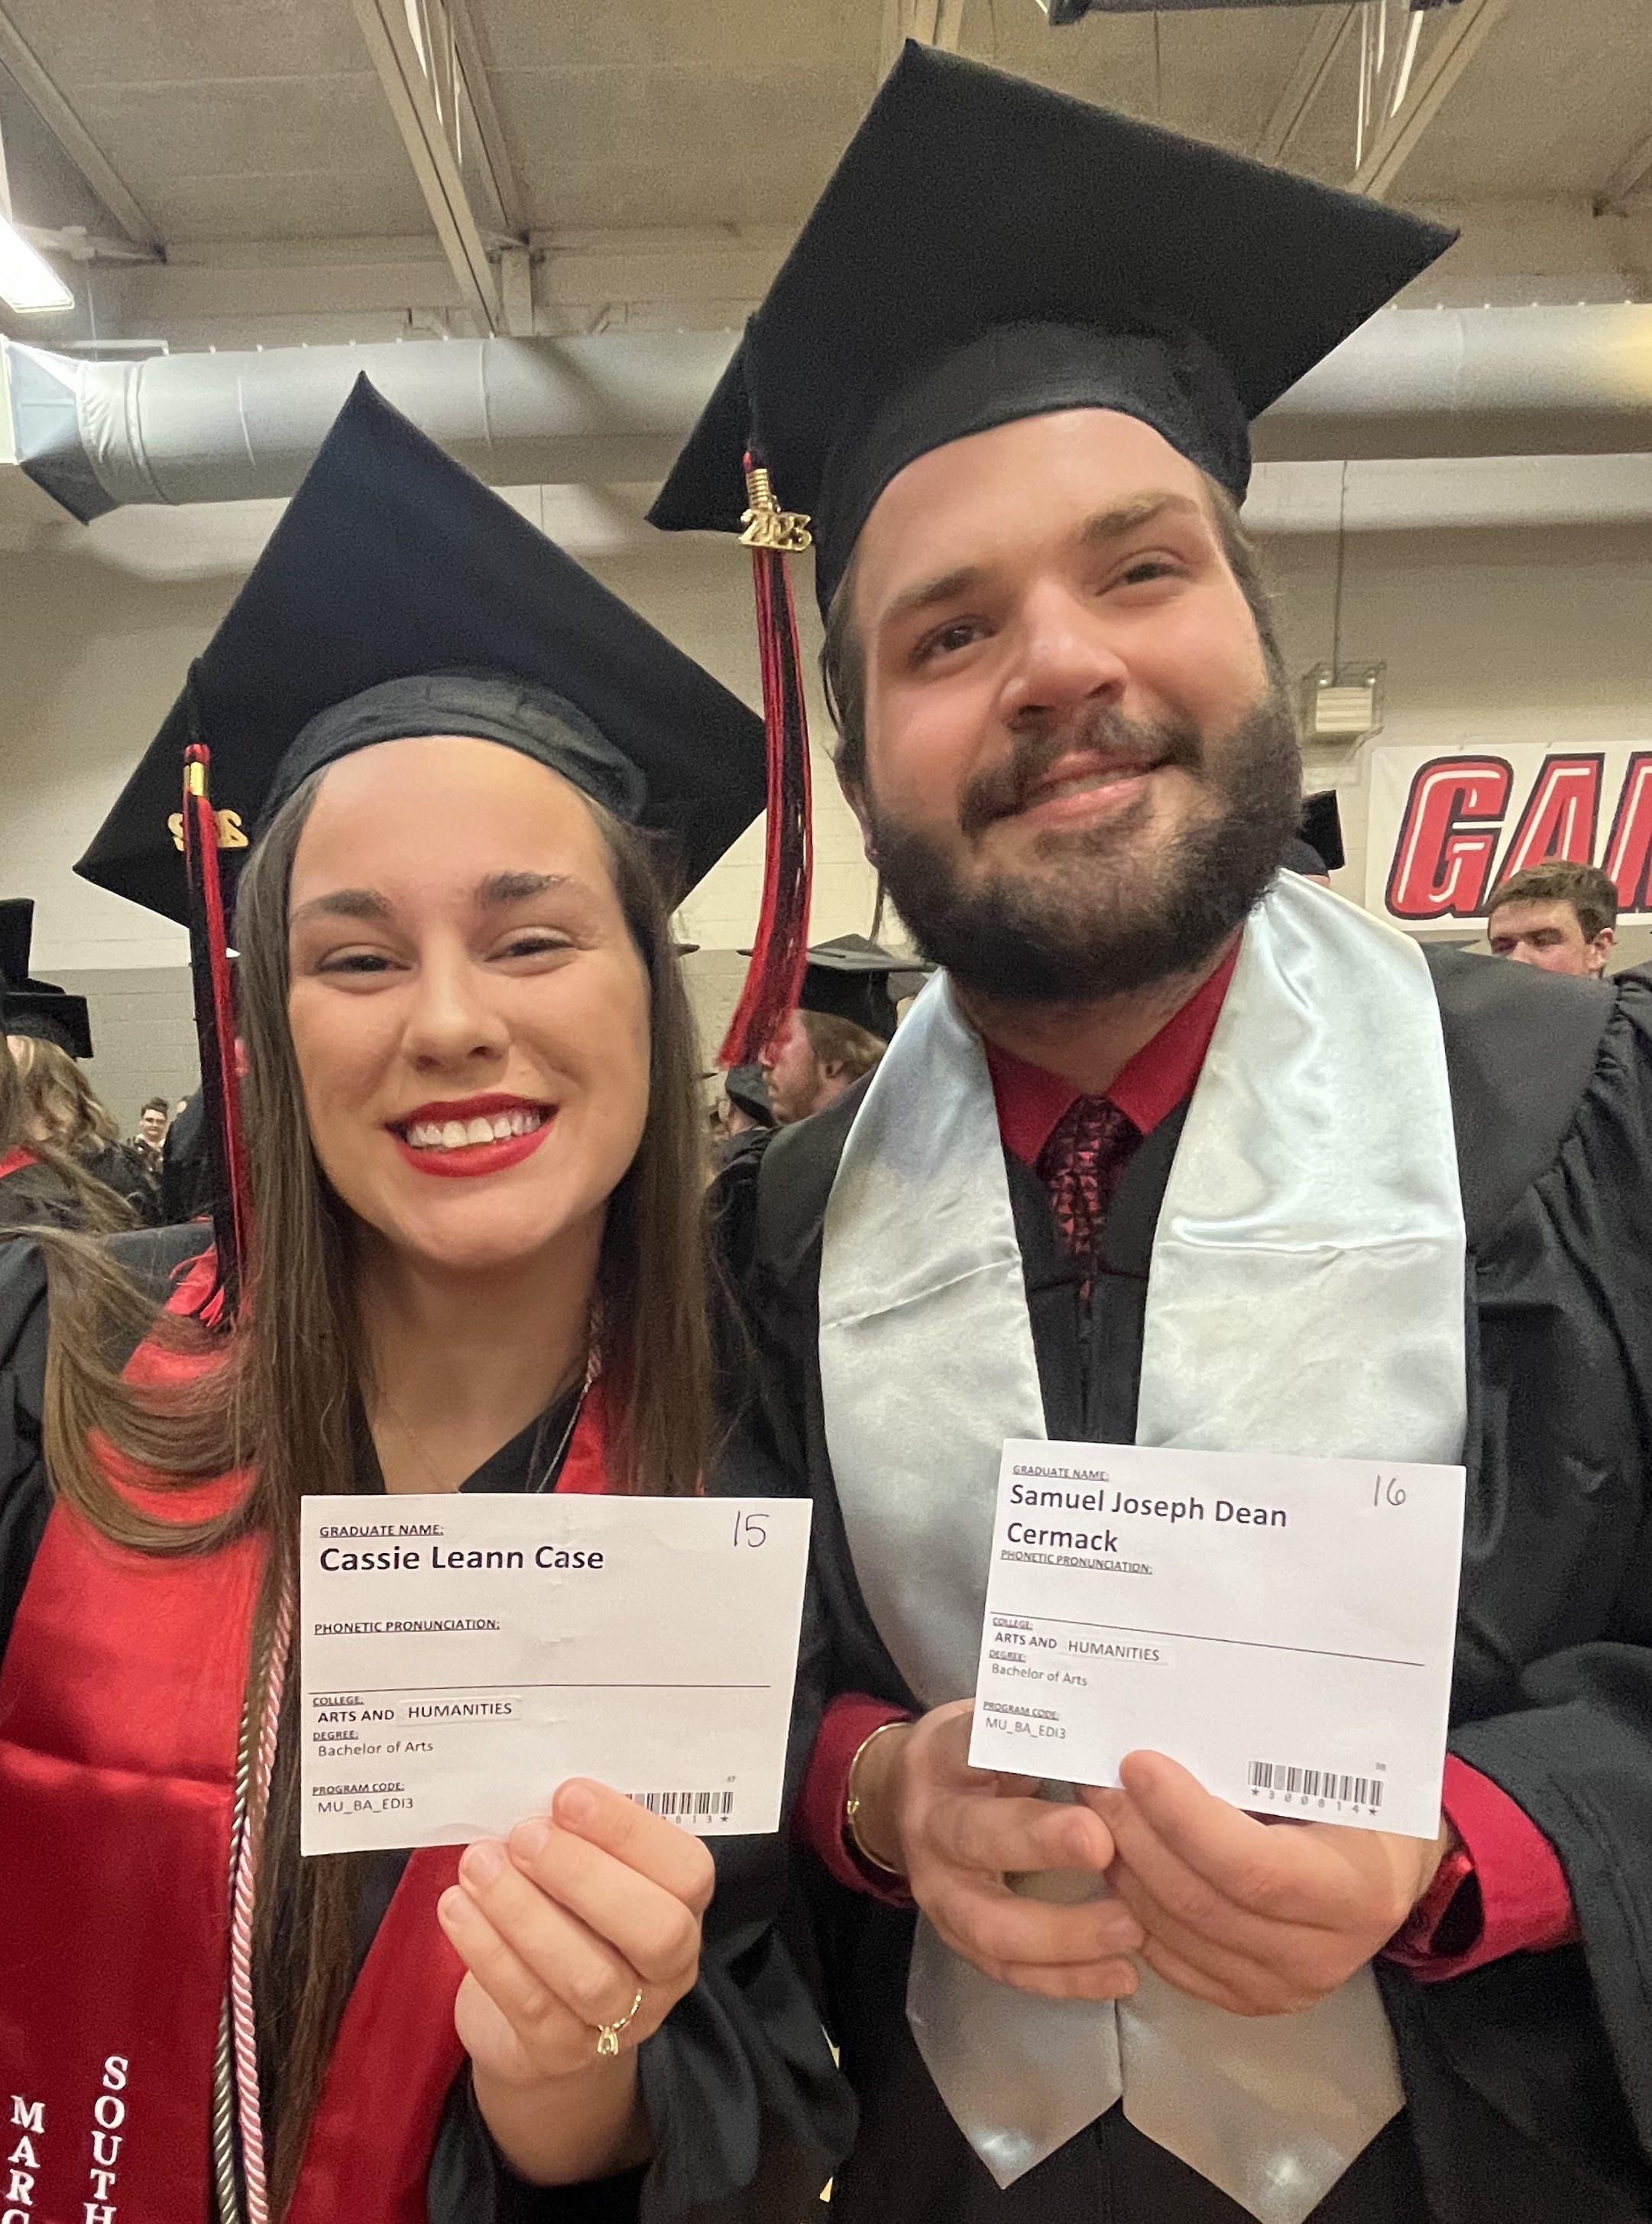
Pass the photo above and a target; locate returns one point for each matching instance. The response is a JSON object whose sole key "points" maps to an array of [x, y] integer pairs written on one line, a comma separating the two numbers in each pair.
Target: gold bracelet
{"points": [[851, 1804]]}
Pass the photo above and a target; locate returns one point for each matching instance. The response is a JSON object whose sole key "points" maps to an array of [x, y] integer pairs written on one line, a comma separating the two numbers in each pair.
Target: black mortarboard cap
{"points": [[1322, 828], [28, 1007], [398, 595], [851, 978], [988, 249]]}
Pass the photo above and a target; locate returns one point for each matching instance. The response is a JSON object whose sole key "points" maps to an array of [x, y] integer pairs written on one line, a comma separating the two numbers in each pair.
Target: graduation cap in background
{"points": [[399, 596], [1317, 849], [1322, 828], [28, 1007], [987, 250], [854, 979]]}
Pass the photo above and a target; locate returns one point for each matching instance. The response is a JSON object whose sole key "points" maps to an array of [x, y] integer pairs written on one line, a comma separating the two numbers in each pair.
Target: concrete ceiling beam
{"points": [[1318, 58], [1460, 38], [416, 109], [18, 58]]}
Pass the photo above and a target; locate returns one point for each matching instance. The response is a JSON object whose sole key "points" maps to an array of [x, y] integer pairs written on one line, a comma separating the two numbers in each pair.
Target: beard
{"points": [[1102, 913]]}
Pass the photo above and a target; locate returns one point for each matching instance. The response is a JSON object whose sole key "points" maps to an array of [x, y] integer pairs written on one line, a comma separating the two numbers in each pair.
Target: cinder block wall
{"points": [[142, 1033]]}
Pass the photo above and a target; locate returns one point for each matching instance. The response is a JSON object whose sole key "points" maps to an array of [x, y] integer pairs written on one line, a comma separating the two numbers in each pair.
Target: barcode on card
{"points": [[687, 1806], [1324, 1787]]}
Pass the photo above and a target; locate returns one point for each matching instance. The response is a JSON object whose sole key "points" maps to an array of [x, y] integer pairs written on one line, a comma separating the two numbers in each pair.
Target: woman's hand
{"points": [[560, 1928]]}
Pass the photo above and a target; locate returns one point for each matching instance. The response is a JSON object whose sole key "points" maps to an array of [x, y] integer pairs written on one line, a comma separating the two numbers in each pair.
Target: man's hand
{"points": [[1260, 1918], [961, 1833]]}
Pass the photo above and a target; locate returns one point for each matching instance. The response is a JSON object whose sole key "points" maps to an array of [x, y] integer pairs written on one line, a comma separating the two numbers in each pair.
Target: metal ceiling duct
{"points": [[223, 427], [615, 406]]}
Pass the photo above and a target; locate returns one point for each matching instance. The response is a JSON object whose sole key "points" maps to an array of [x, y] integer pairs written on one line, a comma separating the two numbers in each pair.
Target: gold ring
{"points": [[607, 2038]]}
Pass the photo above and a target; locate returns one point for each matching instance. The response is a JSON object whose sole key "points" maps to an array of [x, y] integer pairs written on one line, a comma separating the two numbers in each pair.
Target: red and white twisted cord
{"points": [[242, 1906]]}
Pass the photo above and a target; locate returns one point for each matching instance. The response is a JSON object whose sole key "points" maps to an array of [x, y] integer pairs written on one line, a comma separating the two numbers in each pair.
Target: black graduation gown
{"points": [[1528, 2082], [35, 1196], [748, 2113]]}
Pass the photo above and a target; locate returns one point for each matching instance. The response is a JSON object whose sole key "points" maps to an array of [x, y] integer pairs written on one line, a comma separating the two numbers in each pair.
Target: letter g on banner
{"points": [[1448, 837]]}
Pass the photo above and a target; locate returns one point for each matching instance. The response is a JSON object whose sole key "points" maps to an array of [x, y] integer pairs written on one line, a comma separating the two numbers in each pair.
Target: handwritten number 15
{"points": [[751, 1530]]}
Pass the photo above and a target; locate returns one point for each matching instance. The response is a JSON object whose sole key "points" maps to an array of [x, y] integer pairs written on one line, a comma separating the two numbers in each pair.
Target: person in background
{"points": [[41, 1186], [30, 1007], [812, 1060], [67, 1112], [1559, 917], [185, 1165], [152, 1122], [844, 1022], [746, 1109]]}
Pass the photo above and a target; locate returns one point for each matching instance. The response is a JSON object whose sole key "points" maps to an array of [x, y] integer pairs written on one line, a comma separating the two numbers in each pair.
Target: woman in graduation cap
{"points": [[463, 1253], [1181, 1151], [41, 1186]]}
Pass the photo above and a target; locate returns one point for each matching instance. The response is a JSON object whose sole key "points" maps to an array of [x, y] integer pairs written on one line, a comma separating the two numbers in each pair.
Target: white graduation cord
{"points": [[243, 1905]]}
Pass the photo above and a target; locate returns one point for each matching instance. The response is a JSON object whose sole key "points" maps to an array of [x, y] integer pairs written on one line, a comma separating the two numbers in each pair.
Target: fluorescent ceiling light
{"points": [[27, 282]]}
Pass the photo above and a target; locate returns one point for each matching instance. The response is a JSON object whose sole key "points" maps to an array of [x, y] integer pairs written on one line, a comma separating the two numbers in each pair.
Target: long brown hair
{"points": [[281, 1396], [64, 1102], [95, 1206]]}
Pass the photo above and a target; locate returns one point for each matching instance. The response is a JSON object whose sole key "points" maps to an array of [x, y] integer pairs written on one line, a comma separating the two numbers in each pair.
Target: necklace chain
{"points": [[531, 1488]]}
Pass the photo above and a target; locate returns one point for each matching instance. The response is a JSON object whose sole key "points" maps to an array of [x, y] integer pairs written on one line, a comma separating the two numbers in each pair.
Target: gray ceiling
{"points": [[242, 125]]}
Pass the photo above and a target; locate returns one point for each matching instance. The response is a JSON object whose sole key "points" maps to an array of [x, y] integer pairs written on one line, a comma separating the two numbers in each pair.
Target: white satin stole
{"points": [[1306, 1295]]}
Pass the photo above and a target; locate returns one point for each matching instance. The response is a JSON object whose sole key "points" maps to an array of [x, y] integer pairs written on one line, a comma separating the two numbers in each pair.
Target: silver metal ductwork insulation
{"points": [[227, 427], [615, 406]]}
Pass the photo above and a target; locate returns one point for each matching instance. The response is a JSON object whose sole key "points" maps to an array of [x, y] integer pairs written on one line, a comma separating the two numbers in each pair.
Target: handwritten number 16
{"points": [[1388, 1491]]}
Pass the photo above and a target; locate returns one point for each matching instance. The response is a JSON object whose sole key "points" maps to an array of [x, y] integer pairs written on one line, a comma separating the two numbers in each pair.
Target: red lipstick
{"points": [[469, 1160]]}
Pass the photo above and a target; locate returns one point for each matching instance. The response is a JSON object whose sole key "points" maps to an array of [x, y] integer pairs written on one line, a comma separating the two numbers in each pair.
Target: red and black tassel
{"points": [[215, 1030], [774, 977]]}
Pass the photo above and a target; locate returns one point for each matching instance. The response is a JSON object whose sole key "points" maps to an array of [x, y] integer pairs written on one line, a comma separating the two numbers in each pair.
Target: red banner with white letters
{"points": [[1447, 825]]}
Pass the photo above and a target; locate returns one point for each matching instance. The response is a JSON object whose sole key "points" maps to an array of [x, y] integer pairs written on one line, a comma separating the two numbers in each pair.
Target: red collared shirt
{"points": [[1032, 1102], [1524, 1902]]}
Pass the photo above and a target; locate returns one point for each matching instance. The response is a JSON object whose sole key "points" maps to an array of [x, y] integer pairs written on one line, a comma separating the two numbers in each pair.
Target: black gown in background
{"points": [[35, 1196], [1528, 2082], [748, 2114]]}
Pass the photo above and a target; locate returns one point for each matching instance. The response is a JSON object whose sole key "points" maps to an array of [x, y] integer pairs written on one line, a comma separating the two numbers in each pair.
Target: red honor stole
{"points": [[13, 1162], [120, 1711]]}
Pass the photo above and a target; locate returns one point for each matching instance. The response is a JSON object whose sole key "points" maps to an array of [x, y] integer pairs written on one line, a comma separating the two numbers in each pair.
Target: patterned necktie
{"points": [[1081, 1165]]}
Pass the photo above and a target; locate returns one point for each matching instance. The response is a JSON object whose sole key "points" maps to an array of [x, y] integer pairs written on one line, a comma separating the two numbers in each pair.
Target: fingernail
{"points": [[483, 1862], [451, 1907], [576, 1804], [529, 1839]]}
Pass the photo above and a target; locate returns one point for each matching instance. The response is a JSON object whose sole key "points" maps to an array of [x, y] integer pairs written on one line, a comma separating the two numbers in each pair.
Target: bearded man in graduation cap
{"points": [[844, 1021], [1182, 1150]]}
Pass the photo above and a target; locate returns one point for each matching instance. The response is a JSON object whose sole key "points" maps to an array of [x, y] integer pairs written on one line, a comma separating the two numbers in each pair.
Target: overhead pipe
{"points": [[615, 406]]}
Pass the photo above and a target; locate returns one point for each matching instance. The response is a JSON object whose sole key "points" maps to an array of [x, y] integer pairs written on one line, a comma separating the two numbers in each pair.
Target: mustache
{"points": [[1100, 731]]}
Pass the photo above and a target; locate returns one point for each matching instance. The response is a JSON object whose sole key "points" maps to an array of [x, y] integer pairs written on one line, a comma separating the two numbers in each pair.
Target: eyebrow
{"points": [[344, 903], [493, 894], [502, 888], [1096, 532]]}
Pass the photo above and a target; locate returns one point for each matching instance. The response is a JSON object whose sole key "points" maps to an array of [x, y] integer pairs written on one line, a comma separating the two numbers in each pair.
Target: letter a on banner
{"points": [[1560, 820]]}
